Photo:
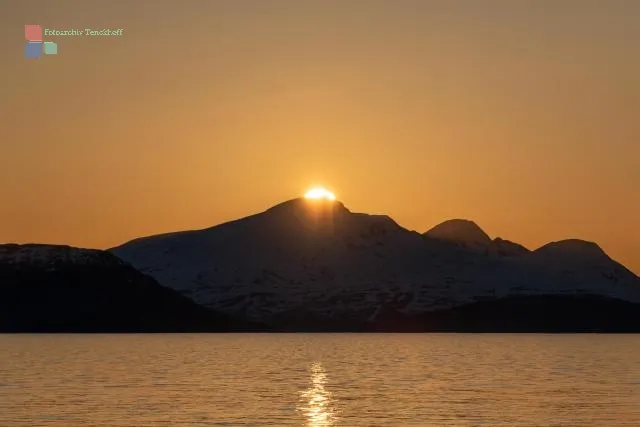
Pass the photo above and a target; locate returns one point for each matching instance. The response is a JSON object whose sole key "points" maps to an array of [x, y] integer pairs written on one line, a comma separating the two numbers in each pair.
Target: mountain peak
{"points": [[574, 248], [460, 231], [305, 210], [304, 204]]}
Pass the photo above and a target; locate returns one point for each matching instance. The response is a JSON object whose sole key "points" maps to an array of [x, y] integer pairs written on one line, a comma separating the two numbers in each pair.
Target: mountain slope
{"points": [[310, 259], [45, 288]]}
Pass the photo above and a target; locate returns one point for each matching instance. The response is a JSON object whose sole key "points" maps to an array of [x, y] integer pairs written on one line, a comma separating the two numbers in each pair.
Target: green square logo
{"points": [[50, 48]]}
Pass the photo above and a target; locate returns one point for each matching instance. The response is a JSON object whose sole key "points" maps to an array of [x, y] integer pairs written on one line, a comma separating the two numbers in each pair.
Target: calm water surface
{"points": [[347, 380]]}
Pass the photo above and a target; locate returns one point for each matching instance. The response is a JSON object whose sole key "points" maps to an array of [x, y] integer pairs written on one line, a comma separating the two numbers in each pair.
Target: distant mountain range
{"points": [[313, 265]]}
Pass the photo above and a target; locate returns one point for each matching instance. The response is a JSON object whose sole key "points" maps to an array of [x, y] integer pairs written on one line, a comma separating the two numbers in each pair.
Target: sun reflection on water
{"points": [[316, 401]]}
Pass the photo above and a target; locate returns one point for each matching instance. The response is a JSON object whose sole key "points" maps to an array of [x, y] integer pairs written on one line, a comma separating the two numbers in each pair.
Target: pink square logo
{"points": [[33, 33]]}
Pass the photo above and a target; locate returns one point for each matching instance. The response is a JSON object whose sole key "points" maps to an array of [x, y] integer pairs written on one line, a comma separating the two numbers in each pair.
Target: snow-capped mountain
{"points": [[315, 258], [48, 288]]}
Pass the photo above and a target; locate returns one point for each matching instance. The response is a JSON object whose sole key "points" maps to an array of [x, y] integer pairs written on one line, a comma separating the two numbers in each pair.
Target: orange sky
{"points": [[522, 116]]}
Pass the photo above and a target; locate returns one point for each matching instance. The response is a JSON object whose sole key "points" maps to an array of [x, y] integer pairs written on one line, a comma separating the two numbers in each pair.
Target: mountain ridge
{"points": [[430, 233], [319, 258]]}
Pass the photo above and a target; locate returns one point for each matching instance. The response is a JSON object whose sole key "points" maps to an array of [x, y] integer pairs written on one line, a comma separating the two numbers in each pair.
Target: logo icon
{"points": [[35, 45]]}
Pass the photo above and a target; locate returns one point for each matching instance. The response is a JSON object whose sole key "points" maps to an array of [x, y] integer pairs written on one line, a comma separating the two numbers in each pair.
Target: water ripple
{"points": [[351, 380]]}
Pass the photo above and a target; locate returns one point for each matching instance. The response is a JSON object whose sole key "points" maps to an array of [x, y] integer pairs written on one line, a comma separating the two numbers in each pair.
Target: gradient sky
{"points": [[523, 116]]}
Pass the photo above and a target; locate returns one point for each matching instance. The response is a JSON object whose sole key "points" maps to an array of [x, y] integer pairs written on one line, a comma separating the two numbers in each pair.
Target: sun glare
{"points": [[319, 193]]}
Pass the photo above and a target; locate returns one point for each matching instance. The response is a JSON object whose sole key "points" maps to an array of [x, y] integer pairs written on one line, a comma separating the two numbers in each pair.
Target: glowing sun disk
{"points": [[319, 193]]}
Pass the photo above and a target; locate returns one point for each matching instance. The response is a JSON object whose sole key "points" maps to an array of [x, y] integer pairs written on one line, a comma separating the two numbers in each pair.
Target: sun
{"points": [[319, 193]]}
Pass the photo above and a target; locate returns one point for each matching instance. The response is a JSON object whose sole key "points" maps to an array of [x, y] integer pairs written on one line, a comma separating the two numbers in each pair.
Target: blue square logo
{"points": [[33, 50]]}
